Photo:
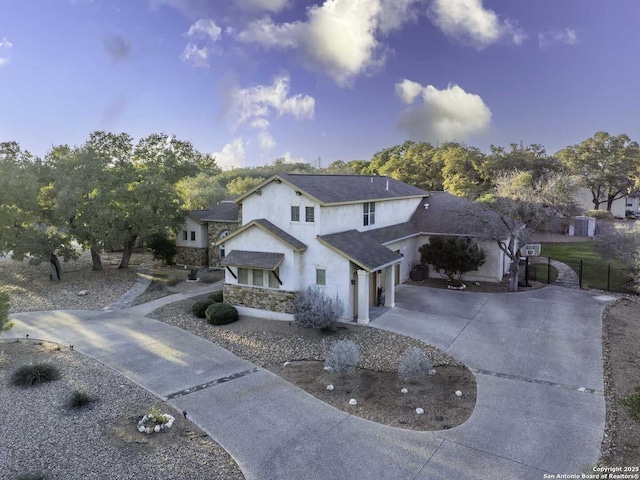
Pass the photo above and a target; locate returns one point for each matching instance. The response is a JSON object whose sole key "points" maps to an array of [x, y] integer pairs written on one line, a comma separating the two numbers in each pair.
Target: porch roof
{"points": [[360, 249], [247, 259]]}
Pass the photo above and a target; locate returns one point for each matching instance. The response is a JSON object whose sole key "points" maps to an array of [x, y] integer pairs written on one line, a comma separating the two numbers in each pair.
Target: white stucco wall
{"points": [[409, 250], [192, 225]]}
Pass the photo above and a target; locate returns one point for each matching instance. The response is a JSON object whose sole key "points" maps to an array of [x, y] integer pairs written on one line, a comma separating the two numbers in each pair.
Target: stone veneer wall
{"points": [[273, 300], [215, 230], [196, 257]]}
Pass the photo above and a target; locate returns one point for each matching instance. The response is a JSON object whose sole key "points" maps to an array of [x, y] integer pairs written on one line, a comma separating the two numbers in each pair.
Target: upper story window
{"points": [[295, 213], [309, 214], [321, 276], [193, 235], [369, 210]]}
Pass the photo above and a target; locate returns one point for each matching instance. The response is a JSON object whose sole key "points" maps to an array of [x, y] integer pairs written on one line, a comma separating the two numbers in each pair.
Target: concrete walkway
{"points": [[529, 418]]}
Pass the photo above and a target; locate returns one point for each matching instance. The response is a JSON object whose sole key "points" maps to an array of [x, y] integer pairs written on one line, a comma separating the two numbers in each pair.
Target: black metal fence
{"points": [[584, 275]]}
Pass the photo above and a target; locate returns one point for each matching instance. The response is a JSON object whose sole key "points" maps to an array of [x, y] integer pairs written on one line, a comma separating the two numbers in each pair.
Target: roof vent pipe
{"points": [[387, 184], [371, 179]]}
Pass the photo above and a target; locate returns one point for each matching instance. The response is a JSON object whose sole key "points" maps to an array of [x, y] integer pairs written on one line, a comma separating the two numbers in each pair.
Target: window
{"points": [[273, 280], [321, 276], [295, 213], [258, 278], [221, 251], [184, 235], [243, 276], [309, 214], [629, 202], [193, 236], [369, 210]]}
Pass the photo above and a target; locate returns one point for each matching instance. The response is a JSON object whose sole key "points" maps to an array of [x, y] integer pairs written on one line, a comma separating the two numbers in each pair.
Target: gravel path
{"points": [[39, 433]]}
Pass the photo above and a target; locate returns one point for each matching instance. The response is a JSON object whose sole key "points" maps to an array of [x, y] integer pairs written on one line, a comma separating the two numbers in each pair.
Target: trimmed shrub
{"points": [[199, 308], [216, 297], [343, 356], [80, 399], [600, 214], [221, 314], [414, 365], [34, 373], [312, 309]]}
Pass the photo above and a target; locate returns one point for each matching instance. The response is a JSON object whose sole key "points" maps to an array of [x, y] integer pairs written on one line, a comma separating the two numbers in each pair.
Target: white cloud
{"points": [[551, 37], [194, 56], [265, 5], [259, 102], [231, 155], [205, 28], [3, 62], [396, 13], [267, 142], [469, 22], [442, 115], [4, 43], [288, 158], [338, 37], [254, 105]]}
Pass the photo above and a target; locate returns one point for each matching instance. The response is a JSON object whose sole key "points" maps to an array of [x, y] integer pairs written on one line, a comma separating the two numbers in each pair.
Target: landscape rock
{"points": [[82, 293], [419, 411], [353, 401], [458, 393]]}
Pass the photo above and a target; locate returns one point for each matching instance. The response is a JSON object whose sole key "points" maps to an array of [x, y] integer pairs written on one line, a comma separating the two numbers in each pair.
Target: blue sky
{"points": [[252, 80]]}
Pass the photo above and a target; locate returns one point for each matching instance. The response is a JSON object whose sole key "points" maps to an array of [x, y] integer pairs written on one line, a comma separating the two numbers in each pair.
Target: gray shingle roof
{"points": [[222, 212], [360, 249], [281, 234], [393, 232], [351, 188], [444, 215], [262, 260]]}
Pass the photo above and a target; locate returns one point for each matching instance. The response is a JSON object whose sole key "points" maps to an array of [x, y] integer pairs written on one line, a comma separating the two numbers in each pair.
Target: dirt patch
{"points": [[379, 397], [621, 337]]}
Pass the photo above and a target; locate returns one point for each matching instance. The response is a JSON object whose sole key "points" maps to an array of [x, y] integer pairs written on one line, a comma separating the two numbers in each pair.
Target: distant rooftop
{"points": [[222, 212]]}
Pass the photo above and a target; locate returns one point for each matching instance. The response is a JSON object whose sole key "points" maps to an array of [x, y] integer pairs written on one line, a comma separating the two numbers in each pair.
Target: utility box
{"points": [[419, 273], [582, 227]]}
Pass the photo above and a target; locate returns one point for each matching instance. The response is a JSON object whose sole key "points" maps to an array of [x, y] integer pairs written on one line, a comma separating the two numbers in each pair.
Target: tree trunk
{"points": [[56, 272], [514, 273], [128, 250], [95, 259]]}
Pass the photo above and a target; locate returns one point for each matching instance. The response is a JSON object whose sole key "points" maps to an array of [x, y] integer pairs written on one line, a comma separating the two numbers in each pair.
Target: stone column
{"points": [[390, 286], [363, 297]]}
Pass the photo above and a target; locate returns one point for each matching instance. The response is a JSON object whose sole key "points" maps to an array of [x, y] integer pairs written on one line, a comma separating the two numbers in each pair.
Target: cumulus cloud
{"points": [[264, 5], [203, 34], [469, 22], [442, 115], [254, 105], [339, 37], [552, 37], [231, 155], [288, 158], [117, 47], [396, 13], [4, 44]]}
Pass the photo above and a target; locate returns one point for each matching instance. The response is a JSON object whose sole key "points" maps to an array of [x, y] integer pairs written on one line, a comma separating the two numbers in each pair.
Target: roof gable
{"points": [[359, 248], [270, 228]]}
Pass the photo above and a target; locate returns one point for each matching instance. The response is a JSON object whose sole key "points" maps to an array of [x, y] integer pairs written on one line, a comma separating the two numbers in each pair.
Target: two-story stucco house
{"points": [[350, 235]]}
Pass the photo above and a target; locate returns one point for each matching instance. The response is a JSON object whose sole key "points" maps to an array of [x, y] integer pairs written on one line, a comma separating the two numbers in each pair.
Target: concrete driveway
{"points": [[538, 361], [529, 418]]}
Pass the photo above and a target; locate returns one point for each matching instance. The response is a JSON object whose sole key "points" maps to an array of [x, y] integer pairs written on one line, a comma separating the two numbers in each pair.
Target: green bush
{"points": [[80, 399], [216, 297], [199, 308], [34, 373], [163, 247], [5, 324], [600, 214], [221, 314], [632, 402]]}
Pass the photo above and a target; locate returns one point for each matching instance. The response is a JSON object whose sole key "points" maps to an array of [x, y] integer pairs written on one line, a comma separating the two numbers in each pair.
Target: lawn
{"points": [[596, 271]]}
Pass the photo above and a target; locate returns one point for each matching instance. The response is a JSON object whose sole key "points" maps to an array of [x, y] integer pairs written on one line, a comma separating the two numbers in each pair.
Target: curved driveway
{"points": [[537, 358]]}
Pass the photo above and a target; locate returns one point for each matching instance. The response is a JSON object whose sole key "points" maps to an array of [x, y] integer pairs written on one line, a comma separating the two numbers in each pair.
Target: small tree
{"points": [[453, 256], [163, 247], [312, 309]]}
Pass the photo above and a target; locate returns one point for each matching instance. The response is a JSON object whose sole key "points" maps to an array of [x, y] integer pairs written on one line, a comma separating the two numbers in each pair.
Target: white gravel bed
{"points": [[40, 433], [267, 342], [30, 289]]}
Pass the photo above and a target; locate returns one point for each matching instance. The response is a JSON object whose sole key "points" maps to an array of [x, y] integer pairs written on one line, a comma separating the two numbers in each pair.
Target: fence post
{"points": [[580, 275], [548, 270], [608, 277]]}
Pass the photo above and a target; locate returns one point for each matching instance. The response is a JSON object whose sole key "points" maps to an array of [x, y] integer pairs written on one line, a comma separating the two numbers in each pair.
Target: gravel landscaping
{"points": [[41, 433]]}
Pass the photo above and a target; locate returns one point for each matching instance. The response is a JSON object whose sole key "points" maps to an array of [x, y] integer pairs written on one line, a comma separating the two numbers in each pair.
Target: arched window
{"points": [[221, 248]]}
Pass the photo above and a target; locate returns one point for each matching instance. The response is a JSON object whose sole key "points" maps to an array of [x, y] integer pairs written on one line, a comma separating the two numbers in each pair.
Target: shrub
{"points": [[632, 402], [163, 247], [343, 356], [216, 297], [33, 373], [414, 365], [221, 314], [5, 324], [600, 214], [80, 399], [312, 309], [199, 308], [453, 256]]}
